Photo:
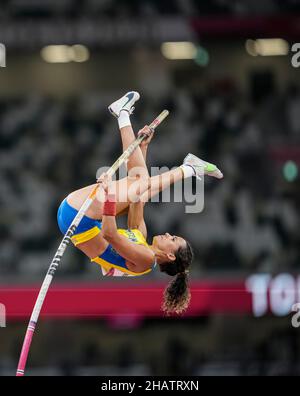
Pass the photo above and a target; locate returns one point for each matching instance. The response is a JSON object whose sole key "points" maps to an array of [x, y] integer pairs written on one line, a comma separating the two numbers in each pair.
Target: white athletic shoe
{"points": [[202, 167], [125, 103]]}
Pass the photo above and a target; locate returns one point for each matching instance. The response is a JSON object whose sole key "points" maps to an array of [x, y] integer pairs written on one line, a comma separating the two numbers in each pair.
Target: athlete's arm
{"points": [[136, 217], [145, 143], [136, 210], [138, 255]]}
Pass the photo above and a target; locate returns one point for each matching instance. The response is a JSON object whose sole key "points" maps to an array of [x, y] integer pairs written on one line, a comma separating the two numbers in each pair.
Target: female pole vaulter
{"points": [[125, 252]]}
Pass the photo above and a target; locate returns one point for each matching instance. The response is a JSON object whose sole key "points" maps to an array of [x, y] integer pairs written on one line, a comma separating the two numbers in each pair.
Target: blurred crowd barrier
{"points": [[113, 8], [219, 345]]}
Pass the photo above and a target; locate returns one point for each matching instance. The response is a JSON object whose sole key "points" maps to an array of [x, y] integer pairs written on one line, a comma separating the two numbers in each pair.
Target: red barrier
{"points": [[109, 299]]}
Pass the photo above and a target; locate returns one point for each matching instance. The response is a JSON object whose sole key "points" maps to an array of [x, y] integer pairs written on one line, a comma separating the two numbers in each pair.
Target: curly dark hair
{"points": [[177, 295]]}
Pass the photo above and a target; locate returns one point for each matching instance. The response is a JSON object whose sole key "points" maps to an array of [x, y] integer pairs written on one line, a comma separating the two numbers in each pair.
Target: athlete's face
{"points": [[168, 243]]}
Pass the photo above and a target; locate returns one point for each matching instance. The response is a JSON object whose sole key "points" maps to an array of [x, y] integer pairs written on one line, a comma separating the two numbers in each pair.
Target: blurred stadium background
{"points": [[234, 99]]}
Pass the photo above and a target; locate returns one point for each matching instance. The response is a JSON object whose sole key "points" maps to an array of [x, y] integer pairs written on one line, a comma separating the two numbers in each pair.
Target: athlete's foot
{"points": [[125, 103], [202, 167]]}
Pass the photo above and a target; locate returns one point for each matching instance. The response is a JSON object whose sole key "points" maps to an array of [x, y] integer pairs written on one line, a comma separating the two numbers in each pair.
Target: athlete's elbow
{"points": [[109, 235]]}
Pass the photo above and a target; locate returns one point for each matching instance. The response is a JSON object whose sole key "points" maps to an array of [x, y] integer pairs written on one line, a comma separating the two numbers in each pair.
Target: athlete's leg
{"points": [[77, 198], [192, 166], [161, 182], [138, 189], [122, 109], [136, 164], [136, 160], [130, 190]]}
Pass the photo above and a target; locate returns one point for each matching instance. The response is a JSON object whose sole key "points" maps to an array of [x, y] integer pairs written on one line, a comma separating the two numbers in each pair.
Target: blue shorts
{"points": [[65, 216]]}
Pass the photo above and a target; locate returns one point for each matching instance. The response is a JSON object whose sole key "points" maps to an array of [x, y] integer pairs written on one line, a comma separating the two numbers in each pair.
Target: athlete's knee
{"points": [[139, 173], [139, 179], [138, 185]]}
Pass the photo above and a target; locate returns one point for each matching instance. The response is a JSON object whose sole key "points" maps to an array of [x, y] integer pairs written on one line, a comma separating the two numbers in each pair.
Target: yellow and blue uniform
{"points": [[88, 228]]}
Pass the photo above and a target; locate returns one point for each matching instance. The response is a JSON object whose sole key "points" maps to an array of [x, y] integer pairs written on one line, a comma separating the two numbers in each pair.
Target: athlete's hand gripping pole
{"points": [[66, 241]]}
